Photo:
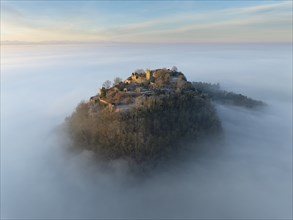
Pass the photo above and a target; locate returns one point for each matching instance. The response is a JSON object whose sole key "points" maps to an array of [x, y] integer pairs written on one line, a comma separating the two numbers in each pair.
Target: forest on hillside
{"points": [[145, 117]]}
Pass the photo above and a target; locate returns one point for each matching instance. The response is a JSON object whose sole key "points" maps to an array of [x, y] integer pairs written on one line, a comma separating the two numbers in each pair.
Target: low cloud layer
{"points": [[246, 174]]}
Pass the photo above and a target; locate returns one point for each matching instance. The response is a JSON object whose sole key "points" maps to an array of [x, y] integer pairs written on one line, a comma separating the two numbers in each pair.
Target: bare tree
{"points": [[139, 71], [116, 81], [174, 68], [107, 84]]}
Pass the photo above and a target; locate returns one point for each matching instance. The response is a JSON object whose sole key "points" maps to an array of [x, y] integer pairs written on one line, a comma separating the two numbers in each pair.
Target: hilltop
{"points": [[144, 117], [139, 87]]}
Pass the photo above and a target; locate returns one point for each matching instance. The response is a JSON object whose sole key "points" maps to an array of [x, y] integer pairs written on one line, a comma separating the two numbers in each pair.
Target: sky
{"points": [[147, 21]]}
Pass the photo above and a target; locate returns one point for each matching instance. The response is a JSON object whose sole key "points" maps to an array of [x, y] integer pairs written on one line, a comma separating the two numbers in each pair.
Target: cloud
{"points": [[11, 11], [281, 6], [212, 24], [247, 174], [273, 17]]}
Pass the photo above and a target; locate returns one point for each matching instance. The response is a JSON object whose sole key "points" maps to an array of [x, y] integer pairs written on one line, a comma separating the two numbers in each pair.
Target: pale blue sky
{"points": [[147, 21]]}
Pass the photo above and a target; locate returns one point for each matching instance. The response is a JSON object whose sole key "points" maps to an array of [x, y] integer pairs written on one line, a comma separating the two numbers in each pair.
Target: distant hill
{"points": [[144, 117]]}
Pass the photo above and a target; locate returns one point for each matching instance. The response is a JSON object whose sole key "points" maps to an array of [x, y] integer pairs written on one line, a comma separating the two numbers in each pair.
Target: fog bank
{"points": [[248, 174]]}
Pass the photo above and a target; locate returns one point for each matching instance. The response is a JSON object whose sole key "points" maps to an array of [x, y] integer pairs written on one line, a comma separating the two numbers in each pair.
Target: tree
{"points": [[102, 92], [107, 84], [116, 81], [174, 68], [139, 71], [180, 83]]}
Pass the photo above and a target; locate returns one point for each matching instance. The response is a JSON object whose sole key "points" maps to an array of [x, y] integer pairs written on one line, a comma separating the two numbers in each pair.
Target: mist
{"points": [[246, 174]]}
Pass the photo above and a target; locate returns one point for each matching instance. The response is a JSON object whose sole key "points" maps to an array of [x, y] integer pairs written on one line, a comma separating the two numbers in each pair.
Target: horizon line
{"points": [[128, 42]]}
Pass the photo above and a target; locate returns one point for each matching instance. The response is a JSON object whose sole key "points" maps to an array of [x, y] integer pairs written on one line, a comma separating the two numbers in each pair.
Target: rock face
{"points": [[143, 117]]}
